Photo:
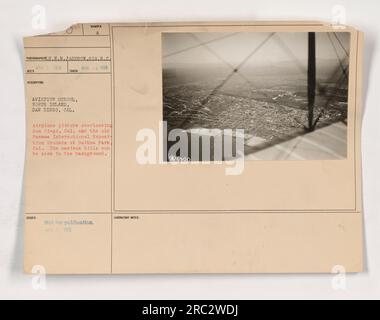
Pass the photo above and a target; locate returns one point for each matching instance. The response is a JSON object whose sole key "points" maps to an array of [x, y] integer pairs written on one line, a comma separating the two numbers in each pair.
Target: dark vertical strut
{"points": [[311, 81]]}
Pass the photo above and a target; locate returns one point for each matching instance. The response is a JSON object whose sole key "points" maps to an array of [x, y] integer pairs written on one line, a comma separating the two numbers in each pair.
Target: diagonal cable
{"points": [[207, 47], [236, 69], [341, 44], [291, 54], [199, 45], [230, 75], [337, 54], [340, 81]]}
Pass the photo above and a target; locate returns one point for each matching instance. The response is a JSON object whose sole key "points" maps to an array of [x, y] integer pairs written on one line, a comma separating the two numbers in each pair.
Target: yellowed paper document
{"points": [[194, 148]]}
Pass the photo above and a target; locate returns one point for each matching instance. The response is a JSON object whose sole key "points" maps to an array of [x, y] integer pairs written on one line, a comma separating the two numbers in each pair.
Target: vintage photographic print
{"points": [[286, 92]]}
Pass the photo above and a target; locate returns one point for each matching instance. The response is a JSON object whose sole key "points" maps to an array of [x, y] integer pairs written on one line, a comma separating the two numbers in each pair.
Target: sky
{"points": [[233, 48]]}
